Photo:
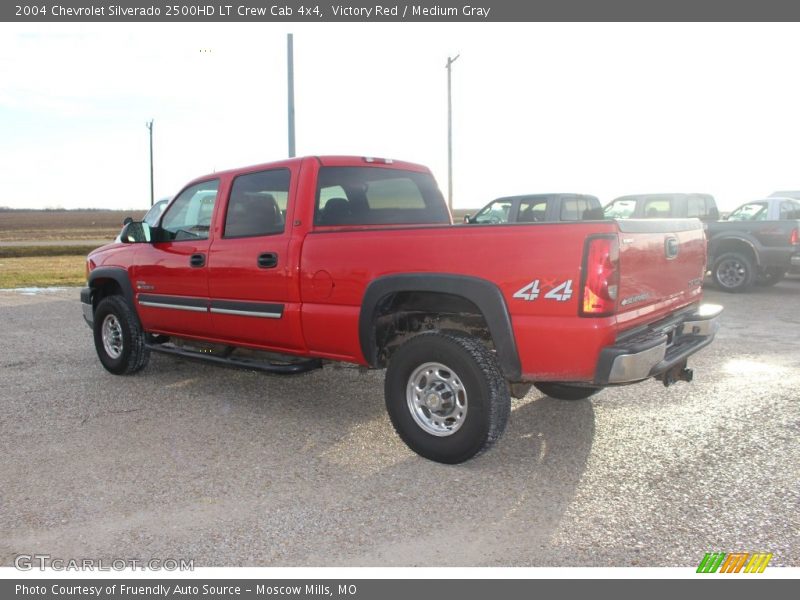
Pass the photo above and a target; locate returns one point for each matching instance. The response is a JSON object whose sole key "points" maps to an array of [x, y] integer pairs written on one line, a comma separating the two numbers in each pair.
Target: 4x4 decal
{"points": [[561, 292]]}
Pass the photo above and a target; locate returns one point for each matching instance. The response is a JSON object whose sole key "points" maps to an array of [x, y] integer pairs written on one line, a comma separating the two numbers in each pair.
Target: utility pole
{"points": [[290, 73], [448, 66], [149, 126]]}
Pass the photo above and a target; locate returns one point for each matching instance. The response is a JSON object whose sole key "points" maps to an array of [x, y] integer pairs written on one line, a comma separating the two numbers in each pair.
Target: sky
{"points": [[599, 108]]}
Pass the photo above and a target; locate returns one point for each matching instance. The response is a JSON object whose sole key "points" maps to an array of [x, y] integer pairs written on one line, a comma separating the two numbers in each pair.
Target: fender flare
{"points": [[119, 275], [753, 244], [482, 293]]}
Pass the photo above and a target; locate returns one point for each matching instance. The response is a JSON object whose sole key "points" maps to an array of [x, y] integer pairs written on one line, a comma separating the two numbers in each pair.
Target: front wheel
{"points": [[733, 272], [446, 396], [564, 391], [118, 337]]}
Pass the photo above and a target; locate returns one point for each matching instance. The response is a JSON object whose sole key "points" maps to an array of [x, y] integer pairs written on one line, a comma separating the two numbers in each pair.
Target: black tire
{"points": [[126, 352], [565, 391], [475, 379], [734, 272], [770, 277]]}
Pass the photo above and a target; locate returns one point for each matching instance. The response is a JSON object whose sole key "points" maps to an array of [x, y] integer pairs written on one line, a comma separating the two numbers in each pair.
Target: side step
{"points": [[289, 368]]}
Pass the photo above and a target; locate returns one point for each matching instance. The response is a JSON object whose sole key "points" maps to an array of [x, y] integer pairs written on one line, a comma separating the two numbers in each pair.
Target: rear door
{"points": [[250, 267]]}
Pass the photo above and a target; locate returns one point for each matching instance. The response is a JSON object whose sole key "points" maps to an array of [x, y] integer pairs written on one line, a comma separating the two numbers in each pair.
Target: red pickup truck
{"points": [[283, 266]]}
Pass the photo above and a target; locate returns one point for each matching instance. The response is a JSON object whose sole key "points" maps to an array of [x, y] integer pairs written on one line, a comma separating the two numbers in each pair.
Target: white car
{"points": [[151, 217]]}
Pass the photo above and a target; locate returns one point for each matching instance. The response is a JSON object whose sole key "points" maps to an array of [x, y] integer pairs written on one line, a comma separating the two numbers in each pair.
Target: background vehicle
{"points": [[535, 208], [278, 267], [794, 195], [773, 208], [757, 244], [151, 216], [663, 206]]}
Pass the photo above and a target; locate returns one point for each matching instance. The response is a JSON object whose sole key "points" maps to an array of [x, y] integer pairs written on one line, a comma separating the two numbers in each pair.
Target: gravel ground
{"points": [[233, 468]]}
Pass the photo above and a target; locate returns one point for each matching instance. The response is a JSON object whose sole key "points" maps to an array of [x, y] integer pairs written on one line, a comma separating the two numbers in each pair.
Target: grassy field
{"points": [[29, 225], [52, 265], [24, 251], [42, 271]]}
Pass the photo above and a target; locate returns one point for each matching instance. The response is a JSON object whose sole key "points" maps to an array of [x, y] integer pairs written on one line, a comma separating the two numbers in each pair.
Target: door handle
{"points": [[267, 260], [198, 260]]}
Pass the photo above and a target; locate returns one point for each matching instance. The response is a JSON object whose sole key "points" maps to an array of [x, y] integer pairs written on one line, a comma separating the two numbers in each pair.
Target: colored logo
{"points": [[735, 562]]}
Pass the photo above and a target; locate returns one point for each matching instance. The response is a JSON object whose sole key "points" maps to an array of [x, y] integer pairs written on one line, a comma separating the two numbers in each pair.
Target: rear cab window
{"points": [[789, 209], [377, 196], [696, 206], [586, 208]]}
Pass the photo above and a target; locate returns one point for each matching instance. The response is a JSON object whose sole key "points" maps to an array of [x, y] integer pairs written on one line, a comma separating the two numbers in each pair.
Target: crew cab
{"points": [[284, 266], [536, 208], [757, 244], [663, 206]]}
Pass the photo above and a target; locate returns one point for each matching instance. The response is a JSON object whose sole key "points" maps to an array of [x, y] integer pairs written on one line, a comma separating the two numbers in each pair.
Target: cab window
{"points": [[789, 210], [620, 209], [494, 212], [189, 216], [257, 205], [754, 211], [696, 207], [377, 196], [532, 211], [657, 209]]}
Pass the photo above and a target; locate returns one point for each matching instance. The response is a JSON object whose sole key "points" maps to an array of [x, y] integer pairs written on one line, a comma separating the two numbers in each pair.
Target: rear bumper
{"points": [[795, 260], [86, 305], [658, 348]]}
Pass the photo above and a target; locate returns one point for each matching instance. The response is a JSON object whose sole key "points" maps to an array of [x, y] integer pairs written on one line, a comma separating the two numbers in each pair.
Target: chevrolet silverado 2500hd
{"points": [[282, 266]]}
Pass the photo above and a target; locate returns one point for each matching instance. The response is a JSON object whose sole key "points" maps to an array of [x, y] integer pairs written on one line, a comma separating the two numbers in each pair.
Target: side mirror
{"points": [[127, 220], [467, 219], [135, 232]]}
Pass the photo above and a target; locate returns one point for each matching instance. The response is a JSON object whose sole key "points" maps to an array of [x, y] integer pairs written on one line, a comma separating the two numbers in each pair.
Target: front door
{"points": [[170, 278]]}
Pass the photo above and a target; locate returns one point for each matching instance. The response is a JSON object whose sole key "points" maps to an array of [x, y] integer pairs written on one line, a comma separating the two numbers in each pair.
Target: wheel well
{"points": [[102, 288], [401, 315], [734, 245]]}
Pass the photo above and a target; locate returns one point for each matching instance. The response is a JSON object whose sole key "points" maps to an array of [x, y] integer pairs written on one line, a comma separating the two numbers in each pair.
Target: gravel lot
{"points": [[233, 468]]}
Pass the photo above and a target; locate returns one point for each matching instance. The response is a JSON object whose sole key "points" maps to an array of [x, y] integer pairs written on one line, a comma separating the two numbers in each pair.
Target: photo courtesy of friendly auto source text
{"points": [[382, 292]]}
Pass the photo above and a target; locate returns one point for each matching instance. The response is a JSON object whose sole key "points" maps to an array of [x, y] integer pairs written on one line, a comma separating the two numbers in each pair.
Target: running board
{"points": [[294, 368]]}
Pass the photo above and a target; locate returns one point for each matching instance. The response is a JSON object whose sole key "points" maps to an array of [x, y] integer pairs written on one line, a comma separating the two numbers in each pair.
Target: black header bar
{"points": [[477, 11]]}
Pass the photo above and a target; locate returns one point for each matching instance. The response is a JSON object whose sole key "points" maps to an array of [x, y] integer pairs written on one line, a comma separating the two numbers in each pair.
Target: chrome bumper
{"points": [[659, 349], [796, 260]]}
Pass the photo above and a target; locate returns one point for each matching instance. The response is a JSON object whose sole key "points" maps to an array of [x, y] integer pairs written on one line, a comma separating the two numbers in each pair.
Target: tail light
{"points": [[793, 238], [600, 285]]}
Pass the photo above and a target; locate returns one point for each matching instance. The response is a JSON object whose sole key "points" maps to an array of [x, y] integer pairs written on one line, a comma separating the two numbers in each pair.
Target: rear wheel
{"points": [[733, 272], [446, 396], [118, 337], [564, 391]]}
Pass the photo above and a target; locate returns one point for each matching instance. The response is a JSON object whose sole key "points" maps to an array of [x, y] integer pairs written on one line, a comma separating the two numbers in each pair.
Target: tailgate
{"points": [[662, 263]]}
